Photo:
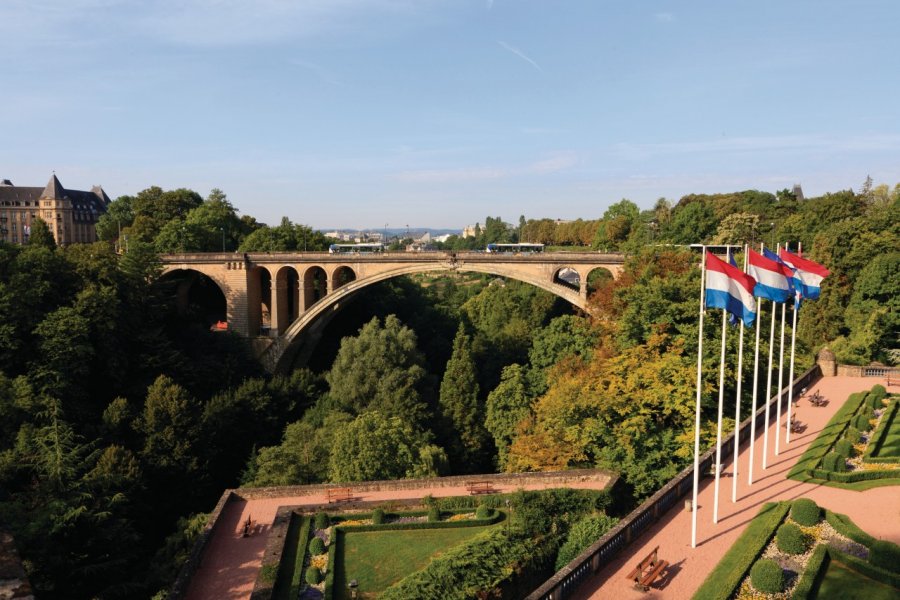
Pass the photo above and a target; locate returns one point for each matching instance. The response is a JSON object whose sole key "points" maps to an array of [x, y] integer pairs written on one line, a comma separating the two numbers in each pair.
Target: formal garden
{"points": [[503, 544], [859, 448], [798, 550]]}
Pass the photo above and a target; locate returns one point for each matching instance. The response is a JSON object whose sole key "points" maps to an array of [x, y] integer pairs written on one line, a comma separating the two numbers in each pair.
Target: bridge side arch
{"points": [[197, 287], [277, 357]]}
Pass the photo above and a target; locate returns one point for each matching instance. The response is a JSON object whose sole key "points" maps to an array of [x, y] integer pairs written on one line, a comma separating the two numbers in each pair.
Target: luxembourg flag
{"points": [[808, 275], [728, 288], [773, 279]]}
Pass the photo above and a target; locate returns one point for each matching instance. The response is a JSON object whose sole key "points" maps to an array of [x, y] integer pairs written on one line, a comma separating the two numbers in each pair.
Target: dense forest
{"points": [[122, 419]]}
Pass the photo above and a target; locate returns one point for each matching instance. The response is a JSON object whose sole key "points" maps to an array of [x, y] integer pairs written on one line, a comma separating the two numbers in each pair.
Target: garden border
{"points": [[881, 433]]}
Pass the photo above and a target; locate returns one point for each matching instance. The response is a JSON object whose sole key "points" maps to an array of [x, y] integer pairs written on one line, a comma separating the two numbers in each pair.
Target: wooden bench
{"points": [[479, 487], [892, 380], [339, 495], [648, 571]]}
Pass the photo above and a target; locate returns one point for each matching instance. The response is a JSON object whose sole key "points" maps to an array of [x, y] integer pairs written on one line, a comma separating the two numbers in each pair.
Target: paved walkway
{"points": [[876, 511], [231, 562]]}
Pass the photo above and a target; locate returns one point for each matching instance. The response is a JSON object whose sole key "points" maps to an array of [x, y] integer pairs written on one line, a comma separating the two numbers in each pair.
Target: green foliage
{"points": [[878, 392], [470, 569], [321, 520], [374, 446], [885, 555], [891, 578], [815, 453], [843, 448], [313, 575], [725, 578], [853, 435], [268, 573], [806, 512], [434, 514], [285, 237], [834, 462], [843, 525], [767, 576], [40, 235], [791, 539], [482, 512], [817, 562], [378, 516], [507, 406], [582, 534], [381, 369], [459, 406], [316, 546]]}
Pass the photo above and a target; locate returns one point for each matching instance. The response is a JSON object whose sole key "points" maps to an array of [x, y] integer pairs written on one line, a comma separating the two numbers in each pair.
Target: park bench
{"points": [[339, 495], [479, 487], [892, 380], [648, 571], [249, 527]]}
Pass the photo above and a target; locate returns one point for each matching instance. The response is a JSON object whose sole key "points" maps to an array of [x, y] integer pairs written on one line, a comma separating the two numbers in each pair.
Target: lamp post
{"points": [[353, 587]]}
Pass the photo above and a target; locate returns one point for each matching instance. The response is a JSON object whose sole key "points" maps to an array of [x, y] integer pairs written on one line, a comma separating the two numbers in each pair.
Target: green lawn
{"points": [[377, 559], [846, 584]]}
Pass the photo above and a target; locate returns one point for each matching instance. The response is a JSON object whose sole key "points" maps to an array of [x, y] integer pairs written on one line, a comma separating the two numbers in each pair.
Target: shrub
{"points": [[790, 539], [482, 512], [834, 462], [885, 554], [853, 435], [767, 576], [582, 534], [322, 521], [434, 514], [316, 546], [861, 422], [879, 392], [843, 448], [806, 512], [378, 516], [873, 401], [313, 575]]}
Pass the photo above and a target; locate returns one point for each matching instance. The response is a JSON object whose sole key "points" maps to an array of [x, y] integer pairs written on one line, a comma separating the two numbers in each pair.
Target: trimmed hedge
{"points": [[767, 576], [321, 520], [806, 512], [819, 447], [791, 539], [843, 525], [844, 448], [290, 573], [866, 568], [885, 555], [434, 514], [483, 512], [494, 517], [378, 517], [891, 477], [853, 435], [877, 439], [316, 546], [329, 569], [313, 576], [725, 579], [833, 462], [811, 576]]}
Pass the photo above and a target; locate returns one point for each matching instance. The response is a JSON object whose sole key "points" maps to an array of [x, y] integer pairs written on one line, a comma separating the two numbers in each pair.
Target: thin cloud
{"points": [[521, 55]]}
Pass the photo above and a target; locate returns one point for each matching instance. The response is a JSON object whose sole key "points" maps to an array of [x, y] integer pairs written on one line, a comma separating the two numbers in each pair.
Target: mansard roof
{"points": [[95, 200]]}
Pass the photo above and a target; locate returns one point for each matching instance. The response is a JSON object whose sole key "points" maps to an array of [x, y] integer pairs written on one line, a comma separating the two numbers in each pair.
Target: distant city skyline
{"points": [[437, 113]]}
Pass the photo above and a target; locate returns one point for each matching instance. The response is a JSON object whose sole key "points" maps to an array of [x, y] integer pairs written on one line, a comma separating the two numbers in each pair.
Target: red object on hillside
{"points": [[219, 326]]}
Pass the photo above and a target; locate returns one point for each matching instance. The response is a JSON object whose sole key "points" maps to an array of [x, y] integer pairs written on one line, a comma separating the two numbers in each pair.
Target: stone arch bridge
{"points": [[282, 301]]}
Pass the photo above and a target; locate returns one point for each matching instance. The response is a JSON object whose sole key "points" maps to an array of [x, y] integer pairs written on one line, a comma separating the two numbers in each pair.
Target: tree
{"points": [[693, 223], [375, 446], [461, 409], [41, 235], [119, 215], [380, 369], [507, 406], [738, 229]]}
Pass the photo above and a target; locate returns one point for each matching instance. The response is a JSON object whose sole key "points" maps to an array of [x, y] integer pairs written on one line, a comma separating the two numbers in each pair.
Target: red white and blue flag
{"points": [[730, 289], [808, 275], [773, 278]]}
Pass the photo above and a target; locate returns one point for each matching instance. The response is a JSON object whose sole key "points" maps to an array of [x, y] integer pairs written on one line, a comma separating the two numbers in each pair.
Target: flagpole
{"points": [[794, 308], [755, 381], [697, 412], [780, 377], [765, 459], [737, 403], [719, 422]]}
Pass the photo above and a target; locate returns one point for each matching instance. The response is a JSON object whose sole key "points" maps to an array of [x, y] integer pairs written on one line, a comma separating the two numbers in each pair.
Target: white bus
{"points": [[522, 248], [355, 248]]}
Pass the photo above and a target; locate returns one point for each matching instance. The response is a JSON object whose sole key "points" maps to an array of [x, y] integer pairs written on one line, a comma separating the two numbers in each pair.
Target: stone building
{"points": [[70, 214]]}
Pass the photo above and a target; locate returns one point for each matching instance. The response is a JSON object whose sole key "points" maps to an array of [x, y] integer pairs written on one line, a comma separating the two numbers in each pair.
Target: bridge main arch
{"points": [[275, 298]]}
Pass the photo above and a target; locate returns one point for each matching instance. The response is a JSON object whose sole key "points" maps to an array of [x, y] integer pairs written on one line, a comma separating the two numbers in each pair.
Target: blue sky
{"points": [[357, 113]]}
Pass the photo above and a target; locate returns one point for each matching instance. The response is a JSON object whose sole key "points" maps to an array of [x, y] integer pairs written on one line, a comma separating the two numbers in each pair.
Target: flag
{"points": [[808, 275], [730, 289], [773, 277]]}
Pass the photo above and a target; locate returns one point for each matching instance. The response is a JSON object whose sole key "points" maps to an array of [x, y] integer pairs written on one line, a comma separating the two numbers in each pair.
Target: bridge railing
{"points": [[564, 583]]}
